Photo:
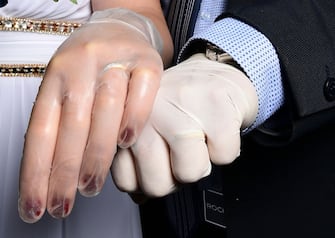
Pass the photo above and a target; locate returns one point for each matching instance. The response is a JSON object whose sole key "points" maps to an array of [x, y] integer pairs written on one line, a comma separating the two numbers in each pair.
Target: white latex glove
{"points": [[198, 115], [98, 90]]}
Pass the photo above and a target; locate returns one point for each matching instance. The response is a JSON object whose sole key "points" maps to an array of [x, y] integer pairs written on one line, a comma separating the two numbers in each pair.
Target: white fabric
{"points": [[111, 214]]}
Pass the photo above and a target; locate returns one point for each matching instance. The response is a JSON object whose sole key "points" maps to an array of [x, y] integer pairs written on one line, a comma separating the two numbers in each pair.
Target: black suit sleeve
{"points": [[303, 34]]}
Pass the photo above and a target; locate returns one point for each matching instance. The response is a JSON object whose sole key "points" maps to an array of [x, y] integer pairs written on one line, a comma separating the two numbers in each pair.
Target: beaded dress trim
{"points": [[22, 70], [36, 26]]}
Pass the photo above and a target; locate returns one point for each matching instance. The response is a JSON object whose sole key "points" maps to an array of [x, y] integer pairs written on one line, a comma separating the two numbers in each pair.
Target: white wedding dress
{"points": [[111, 214]]}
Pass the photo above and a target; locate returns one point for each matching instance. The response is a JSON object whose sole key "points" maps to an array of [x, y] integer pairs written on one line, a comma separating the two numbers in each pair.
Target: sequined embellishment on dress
{"points": [[22, 70], [38, 26]]}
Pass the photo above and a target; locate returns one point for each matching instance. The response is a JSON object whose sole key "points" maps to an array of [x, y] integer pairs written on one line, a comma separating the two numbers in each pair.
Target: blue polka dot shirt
{"points": [[250, 48]]}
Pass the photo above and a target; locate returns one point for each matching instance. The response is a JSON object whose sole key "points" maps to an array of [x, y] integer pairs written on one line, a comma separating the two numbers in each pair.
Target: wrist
{"points": [[217, 54], [132, 19]]}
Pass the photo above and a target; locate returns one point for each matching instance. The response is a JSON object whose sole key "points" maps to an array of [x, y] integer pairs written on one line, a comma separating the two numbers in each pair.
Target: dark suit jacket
{"points": [[283, 184], [3, 3], [303, 34]]}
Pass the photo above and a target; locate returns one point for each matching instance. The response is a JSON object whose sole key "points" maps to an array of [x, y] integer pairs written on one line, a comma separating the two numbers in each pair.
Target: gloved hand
{"points": [[98, 91], [199, 112]]}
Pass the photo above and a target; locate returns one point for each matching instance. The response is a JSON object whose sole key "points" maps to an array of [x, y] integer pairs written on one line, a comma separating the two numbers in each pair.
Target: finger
{"points": [[190, 160], [123, 171], [111, 92], [223, 130], [153, 166], [224, 143], [233, 95], [143, 87], [71, 141], [189, 154], [38, 152]]}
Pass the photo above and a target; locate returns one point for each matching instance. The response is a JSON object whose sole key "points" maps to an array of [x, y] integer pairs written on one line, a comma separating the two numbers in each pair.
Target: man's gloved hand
{"points": [[98, 91], [197, 118]]}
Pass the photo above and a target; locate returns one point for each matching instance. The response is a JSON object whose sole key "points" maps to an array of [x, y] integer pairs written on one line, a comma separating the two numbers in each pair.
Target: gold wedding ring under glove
{"points": [[114, 65]]}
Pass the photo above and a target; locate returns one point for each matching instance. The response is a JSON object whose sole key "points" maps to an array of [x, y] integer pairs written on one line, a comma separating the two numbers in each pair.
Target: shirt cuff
{"points": [[256, 56]]}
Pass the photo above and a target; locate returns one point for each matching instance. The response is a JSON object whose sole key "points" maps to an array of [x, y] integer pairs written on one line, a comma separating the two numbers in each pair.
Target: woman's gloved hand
{"points": [[98, 92], [199, 112]]}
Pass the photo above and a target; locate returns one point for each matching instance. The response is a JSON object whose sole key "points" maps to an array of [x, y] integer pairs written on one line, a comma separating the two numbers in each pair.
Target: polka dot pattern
{"points": [[207, 15], [254, 53]]}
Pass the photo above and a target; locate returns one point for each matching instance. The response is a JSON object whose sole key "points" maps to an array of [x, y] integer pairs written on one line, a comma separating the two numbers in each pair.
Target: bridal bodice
{"points": [[48, 9]]}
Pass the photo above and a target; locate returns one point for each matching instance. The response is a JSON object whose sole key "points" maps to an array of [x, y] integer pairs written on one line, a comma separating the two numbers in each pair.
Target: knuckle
{"points": [[107, 89], [125, 185], [191, 175], [66, 170]]}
